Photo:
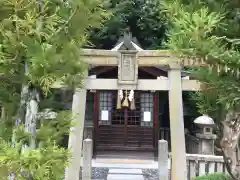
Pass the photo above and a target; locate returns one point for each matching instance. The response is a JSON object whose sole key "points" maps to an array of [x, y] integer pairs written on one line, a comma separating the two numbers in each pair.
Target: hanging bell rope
{"points": [[125, 101]]}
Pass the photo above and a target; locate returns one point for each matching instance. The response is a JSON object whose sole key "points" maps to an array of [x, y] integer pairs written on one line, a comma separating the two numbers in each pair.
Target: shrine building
{"points": [[131, 99]]}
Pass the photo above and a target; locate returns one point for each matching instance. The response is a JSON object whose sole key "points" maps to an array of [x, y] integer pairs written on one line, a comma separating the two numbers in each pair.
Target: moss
{"points": [[216, 176]]}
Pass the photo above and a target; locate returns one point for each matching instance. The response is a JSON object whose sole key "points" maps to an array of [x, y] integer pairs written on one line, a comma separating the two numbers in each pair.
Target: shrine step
{"points": [[125, 174], [125, 171], [124, 177]]}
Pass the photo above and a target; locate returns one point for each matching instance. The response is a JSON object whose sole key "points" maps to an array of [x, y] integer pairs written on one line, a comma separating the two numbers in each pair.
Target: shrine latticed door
{"points": [[125, 128]]}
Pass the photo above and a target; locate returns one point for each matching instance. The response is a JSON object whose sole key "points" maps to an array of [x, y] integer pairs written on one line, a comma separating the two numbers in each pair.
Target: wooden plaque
{"points": [[127, 68]]}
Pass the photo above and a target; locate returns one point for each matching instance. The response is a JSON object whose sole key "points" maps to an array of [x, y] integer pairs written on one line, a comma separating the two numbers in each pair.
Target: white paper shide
{"points": [[147, 116], [104, 115]]}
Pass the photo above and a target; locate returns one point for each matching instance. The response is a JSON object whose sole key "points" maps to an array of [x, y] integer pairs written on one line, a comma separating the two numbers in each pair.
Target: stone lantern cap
{"points": [[204, 120]]}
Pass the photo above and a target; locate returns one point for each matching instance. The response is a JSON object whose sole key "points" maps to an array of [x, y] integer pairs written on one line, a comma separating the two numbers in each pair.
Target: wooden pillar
{"points": [[95, 123], [125, 125], [76, 134], [176, 123], [156, 122]]}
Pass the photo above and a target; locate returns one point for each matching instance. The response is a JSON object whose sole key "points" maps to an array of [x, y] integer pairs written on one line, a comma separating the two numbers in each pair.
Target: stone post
{"points": [[162, 160], [76, 134], [87, 159], [178, 168]]}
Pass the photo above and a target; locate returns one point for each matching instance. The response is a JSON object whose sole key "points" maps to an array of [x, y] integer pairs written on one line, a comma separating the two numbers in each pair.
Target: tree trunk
{"points": [[31, 117], [230, 144]]}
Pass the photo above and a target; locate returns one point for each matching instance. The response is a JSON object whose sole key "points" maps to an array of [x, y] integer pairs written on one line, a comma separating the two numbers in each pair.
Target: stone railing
{"points": [[199, 165], [192, 144]]}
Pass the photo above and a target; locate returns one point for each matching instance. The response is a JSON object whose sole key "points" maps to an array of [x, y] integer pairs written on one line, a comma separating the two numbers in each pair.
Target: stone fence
{"points": [[197, 164]]}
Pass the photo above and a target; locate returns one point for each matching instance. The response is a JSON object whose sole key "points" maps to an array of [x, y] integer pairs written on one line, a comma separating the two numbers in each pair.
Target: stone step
{"points": [[123, 161], [125, 171], [124, 177]]}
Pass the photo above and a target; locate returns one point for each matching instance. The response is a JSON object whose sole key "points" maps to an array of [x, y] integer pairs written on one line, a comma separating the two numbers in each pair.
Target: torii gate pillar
{"points": [[178, 169]]}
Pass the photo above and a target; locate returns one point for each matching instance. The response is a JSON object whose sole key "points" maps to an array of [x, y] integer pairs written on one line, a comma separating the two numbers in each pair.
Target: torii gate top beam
{"points": [[99, 57]]}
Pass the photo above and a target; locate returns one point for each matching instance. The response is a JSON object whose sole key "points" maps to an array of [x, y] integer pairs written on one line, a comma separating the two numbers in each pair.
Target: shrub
{"points": [[216, 176], [47, 163]]}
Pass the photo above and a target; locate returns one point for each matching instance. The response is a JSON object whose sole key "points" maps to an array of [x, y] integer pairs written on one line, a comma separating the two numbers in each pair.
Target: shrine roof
{"points": [[127, 42]]}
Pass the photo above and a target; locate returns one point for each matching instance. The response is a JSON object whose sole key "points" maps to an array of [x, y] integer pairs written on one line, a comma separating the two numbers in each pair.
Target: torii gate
{"points": [[128, 62]]}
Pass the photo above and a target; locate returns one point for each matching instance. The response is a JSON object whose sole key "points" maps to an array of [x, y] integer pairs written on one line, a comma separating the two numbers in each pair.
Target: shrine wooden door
{"points": [[125, 129]]}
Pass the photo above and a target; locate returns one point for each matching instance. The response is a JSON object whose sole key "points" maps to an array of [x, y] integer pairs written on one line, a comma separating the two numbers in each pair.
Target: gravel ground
{"points": [[101, 174], [98, 174], [150, 174]]}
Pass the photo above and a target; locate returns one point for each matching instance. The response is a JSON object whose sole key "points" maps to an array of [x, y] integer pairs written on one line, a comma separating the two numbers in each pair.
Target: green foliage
{"points": [[48, 36], [9, 94], [21, 135], [208, 30], [40, 44], [141, 17], [216, 176], [42, 163], [57, 99], [55, 129], [48, 161]]}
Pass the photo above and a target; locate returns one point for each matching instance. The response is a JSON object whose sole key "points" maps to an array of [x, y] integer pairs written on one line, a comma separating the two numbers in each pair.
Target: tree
{"points": [[40, 44], [141, 17], [47, 161], [208, 32], [47, 37]]}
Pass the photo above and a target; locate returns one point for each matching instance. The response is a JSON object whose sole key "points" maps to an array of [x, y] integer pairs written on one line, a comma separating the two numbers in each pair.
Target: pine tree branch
{"points": [[65, 24]]}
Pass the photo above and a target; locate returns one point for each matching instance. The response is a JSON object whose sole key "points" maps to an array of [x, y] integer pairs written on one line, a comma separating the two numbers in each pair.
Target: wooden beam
{"points": [[143, 84], [154, 71], [191, 85], [99, 52], [100, 57], [155, 58], [145, 58], [112, 84], [101, 69]]}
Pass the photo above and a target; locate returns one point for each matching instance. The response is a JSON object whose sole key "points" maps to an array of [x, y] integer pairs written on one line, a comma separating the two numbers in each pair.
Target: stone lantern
{"points": [[206, 136]]}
